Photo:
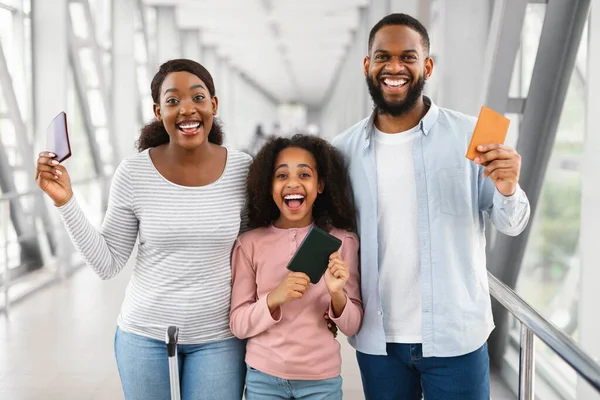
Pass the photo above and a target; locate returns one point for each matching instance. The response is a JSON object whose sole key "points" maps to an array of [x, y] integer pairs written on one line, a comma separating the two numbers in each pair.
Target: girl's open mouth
{"points": [[294, 201]]}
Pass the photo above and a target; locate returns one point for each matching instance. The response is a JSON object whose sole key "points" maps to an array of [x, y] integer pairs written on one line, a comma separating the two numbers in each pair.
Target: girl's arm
{"points": [[350, 319], [249, 316]]}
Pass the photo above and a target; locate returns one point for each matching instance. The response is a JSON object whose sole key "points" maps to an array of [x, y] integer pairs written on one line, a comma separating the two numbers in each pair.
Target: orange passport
{"points": [[491, 127]]}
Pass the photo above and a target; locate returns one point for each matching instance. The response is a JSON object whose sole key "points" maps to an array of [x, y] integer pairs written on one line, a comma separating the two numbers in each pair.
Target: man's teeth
{"points": [[189, 126], [395, 82], [294, 197]]}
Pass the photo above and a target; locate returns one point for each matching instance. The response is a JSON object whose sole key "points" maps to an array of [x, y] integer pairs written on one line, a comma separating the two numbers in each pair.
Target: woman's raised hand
{"points": [[53, 179]]}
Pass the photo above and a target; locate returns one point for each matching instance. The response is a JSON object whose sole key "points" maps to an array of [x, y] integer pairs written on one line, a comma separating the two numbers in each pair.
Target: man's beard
{"points": [[396, 109]]}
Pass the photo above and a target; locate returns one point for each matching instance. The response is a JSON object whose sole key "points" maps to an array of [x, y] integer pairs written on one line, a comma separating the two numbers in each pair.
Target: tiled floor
{"points": [[58, 344]]}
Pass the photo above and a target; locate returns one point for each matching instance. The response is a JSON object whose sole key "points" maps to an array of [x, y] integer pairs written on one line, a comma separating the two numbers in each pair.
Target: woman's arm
{"points": [[107, 251]]}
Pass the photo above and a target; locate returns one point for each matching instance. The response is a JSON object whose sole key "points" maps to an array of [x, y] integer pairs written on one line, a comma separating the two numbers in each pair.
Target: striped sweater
{"points": [[182, 274]]}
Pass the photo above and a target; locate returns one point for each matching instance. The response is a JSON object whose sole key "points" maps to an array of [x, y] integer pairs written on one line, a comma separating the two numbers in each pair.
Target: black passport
{"points": [[312, 256]]}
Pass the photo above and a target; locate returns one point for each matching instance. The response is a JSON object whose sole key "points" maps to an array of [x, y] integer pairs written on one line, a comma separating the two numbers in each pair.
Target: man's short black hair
{"points": [[401, 19]]}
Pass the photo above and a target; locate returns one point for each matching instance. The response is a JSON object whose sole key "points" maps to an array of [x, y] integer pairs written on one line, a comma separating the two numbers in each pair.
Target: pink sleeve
{"points": [[351, 318], [249, 316]]}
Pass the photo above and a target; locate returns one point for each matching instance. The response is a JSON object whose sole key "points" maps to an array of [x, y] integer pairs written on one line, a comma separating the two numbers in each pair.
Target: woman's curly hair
{"points": [[154, 134], [332, 208]]}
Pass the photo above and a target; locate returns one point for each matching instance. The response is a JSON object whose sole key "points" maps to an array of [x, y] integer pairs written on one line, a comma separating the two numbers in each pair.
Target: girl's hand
{"points": [[337, 274], [292, 287], [53, 179]]}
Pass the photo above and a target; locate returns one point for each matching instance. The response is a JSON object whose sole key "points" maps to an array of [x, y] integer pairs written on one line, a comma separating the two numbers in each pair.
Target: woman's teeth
{"points": [[194, 125]]}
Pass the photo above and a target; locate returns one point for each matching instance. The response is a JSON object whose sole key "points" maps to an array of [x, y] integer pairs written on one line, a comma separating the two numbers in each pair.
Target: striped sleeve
{"points": [[107, 251]]}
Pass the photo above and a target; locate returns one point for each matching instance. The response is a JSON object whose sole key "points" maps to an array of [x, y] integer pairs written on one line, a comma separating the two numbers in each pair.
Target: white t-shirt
{"points": [[399, 271]]}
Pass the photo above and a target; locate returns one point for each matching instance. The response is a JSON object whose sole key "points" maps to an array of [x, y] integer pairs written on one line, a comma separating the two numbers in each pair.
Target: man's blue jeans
{"points": [[211, 371], [404, 374]]}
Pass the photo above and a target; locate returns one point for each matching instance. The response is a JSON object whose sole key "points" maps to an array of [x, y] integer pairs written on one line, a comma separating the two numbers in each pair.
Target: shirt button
{"points": [[505, 202], [379, 313]]}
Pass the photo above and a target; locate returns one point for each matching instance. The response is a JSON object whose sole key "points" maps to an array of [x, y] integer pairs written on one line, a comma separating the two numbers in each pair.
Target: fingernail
{"points": [[52, 154], [477, 160], [480, 147], [55, 177], [54, 162], [58, 172]]}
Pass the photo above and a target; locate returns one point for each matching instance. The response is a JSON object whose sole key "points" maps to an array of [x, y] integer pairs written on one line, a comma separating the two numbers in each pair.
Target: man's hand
{"points": [[502, 165]]}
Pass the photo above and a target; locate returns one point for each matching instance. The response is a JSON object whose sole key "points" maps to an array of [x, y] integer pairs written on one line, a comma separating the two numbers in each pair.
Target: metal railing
{"points": [[62, 266], [533, 324]]}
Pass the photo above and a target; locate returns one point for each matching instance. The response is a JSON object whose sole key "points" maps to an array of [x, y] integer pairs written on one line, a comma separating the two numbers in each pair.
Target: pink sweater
{"points": [[294, 342]]}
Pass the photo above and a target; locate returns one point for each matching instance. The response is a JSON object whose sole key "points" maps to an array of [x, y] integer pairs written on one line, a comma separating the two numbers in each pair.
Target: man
{"points": [[421, 207]]}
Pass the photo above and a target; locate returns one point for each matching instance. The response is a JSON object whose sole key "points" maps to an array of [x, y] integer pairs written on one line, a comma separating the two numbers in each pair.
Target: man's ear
{"points": [[157, 113], [366, 64], [428, 67]]}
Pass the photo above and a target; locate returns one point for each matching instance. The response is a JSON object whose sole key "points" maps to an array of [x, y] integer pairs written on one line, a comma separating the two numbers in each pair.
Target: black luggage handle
{"points": [[172, 338]]}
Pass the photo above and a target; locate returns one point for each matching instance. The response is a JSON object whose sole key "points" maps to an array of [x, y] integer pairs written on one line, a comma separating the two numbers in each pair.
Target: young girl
{"points": [[293, 184]]}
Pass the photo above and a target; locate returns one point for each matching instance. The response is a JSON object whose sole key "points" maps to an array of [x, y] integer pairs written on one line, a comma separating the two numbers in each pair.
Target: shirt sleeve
{"points": [[249, 316], [351, 318], [107, 251], [509, 214]]}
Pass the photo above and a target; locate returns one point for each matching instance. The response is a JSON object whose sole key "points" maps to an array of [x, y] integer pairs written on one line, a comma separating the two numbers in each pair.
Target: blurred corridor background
{"points": [[282, 67]]}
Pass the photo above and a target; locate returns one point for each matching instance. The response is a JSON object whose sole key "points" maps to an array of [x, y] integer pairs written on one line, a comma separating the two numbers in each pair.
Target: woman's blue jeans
{"points": [[210, 371]]}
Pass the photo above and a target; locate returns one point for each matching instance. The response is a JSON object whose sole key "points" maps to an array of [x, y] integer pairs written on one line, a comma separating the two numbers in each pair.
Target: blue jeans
{"points": [[261, 386], [404, 374], [211, 371]]}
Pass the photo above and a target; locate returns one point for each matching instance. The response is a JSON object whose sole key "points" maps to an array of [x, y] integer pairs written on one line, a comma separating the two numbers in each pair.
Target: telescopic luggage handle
{"points": [[171, 341]]}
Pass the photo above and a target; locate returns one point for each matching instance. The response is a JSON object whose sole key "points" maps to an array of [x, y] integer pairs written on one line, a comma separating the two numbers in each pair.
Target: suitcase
{"points": [[171, 341]]}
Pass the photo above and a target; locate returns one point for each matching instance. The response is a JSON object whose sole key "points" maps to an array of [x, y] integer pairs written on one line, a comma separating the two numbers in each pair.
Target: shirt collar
{"points": [[426, 123]]}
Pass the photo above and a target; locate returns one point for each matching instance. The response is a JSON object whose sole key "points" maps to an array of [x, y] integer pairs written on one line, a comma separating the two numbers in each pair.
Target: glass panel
{"points": [[530, 40], [6, 29], [80, 164], [27, 6], [550, 272], [150, 14], [140, 48], [10, 3], [80, 27], [101, 10], [3, 106], [9, 247], [96, 104], [28, 67], [513, 130], [90, 73]]}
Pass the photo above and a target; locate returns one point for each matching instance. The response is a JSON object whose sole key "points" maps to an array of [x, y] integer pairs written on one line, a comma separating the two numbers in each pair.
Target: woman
{"points": [[182, 196]]}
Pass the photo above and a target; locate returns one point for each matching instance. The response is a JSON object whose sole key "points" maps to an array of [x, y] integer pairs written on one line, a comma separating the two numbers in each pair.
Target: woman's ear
{"points": [[157, 113], [215, 105]]}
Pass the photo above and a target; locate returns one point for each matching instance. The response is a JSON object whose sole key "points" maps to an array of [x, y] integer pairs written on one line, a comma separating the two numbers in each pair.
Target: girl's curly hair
{"points": [[332, 208], [154, 133]]}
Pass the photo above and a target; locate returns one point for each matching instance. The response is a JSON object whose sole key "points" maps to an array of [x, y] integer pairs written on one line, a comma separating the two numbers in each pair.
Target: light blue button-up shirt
{"points": [[452, 200]]}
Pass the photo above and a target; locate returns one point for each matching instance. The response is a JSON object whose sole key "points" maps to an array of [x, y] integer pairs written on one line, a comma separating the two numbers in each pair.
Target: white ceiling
{"points": [[291, 48]]}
